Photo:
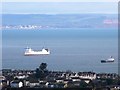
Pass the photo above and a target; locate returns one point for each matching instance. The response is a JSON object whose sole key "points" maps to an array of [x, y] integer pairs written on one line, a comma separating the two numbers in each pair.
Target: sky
{"points": [[59, 0], [63, 7]]}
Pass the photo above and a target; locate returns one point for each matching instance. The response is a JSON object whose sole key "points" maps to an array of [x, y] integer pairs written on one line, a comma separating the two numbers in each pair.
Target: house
{"points": [[86, 80], [113, 87], [43, 84], [26, 83], [75, 79], [33, 83], [21, 76], [5, 83], [76, 83], [60, 85], [69, 85], [1, 78], [87, 75], [60, 79], [67, 80], [16, 84], [50, 85]]}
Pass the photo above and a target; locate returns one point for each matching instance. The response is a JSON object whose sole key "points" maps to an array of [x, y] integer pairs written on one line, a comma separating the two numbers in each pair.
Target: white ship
{"points": [[111, 59], [29, 52]]}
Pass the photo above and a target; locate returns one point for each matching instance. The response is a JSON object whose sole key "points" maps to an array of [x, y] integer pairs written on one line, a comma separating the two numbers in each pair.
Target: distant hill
{"points": [[61, 20]]}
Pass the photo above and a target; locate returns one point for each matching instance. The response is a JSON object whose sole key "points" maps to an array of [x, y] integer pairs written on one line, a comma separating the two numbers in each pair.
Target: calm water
{"points": [[71, 49]]}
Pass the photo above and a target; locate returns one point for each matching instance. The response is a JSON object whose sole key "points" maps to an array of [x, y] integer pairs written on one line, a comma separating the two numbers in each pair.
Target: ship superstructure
{"points": [[30, 51]]}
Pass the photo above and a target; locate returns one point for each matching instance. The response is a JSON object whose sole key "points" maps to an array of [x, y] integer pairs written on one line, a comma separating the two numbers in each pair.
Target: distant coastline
{"points": [[35, 27], [41, 21]]}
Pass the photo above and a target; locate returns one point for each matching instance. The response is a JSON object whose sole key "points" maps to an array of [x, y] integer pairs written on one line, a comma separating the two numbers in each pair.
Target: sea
{"points": [[74, 49]]}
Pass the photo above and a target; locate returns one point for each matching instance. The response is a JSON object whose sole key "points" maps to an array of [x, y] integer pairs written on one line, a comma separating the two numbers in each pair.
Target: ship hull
{"points": [[105, 61], [35, 54]]}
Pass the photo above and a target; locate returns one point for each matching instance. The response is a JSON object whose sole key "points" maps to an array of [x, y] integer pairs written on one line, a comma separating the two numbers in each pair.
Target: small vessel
{"points": [[111, 59], [30, 52]]}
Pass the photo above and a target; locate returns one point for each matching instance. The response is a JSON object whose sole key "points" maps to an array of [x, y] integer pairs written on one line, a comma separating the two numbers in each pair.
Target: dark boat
{"points": [[111, 59]]}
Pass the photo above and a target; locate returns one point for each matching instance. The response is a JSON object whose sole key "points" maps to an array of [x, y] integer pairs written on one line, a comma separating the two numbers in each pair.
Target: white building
{"points": [[16, 84]]}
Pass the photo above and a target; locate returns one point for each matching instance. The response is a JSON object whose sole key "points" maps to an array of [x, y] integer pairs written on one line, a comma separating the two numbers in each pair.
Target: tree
{"points": [[42, 71], [43, 66], [37, 73], [109, 81], [83, 84]]}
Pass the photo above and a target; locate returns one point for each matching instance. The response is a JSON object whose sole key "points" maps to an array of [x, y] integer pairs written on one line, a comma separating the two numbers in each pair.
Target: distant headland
{"points": [[46, 21]]}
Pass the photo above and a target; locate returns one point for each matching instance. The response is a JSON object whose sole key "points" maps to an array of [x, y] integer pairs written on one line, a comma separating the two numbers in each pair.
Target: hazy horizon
{"points": [[59, 7]]}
